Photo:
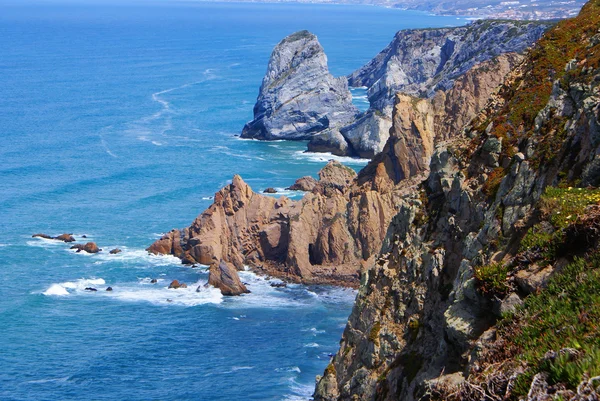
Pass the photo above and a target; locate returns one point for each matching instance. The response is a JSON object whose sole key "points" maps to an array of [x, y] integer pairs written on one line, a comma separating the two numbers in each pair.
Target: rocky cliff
{"points": [[339, 225], [422, 63], [298, 96], [486, 285]]}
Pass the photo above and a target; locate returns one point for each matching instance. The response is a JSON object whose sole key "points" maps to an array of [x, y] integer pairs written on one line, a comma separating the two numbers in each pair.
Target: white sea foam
{"points": [[284, 192], [300, 392], [325, 157], [135, 256], [295, 369], [56, 289], [62, 289], [311, 345], [158, 294]]}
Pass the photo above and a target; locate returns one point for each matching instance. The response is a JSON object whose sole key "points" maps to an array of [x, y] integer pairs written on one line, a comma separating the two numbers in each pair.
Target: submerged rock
{"points": [[109, 289], [115, 251], [298, 96], [224, 276], [270, 191]]}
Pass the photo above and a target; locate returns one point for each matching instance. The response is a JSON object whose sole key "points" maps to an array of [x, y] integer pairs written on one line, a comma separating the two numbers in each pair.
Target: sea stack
{"points": [[298, 97]]}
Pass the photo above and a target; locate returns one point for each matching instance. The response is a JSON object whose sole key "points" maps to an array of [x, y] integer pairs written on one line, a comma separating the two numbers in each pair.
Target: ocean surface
{"points": [[119, 122]]}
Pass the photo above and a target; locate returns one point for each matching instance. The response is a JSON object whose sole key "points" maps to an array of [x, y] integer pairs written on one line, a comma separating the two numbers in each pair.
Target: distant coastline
{"points": [[476, 9]]}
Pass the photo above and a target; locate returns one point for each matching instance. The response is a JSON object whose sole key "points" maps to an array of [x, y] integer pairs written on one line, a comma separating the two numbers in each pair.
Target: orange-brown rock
{"points": [[419, 124], [223, 275]]}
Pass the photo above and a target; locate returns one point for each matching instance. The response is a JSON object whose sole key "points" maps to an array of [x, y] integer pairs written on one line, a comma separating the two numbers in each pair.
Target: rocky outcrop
{"points": [[422, 326], [62, 237], [419, 62], [175, 285], [223, 275], [425, 63], [298, 97], [306, 183], [89, 247]]}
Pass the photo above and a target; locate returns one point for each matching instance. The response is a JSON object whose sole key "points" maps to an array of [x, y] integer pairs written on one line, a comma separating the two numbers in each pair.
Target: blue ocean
{"points": [[118, 122]]}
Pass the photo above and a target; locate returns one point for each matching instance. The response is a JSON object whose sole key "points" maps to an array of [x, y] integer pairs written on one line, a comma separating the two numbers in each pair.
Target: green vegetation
{"points": [[565, 315], [566, 205], [491, 279], [565, 42], [374, 333], [330, 370]]}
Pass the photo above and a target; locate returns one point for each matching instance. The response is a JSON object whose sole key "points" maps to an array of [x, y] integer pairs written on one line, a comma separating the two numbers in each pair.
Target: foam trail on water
{"points": [[325, 157], [136, 255]]}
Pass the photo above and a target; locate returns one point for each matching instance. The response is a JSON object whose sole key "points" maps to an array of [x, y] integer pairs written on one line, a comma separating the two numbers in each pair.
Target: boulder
{"points": [[153, 281], [175, 284], [298, 97], [306, 183], [223, 275], [331, 141], [270, 191], [109, 289], [65, 238], [115, 251], [91, 247]]}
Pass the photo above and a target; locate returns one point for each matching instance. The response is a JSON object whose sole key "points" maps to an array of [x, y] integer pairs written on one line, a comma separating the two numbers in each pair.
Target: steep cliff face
{"points": [[421, 63], [495, 220], [298, 96]]}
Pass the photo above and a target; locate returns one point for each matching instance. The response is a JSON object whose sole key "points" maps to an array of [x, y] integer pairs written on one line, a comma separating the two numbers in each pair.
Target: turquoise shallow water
{"points": [[118, 122]]}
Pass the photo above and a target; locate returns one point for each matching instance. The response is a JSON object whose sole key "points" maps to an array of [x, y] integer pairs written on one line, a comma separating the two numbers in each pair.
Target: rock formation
{"points": [[420, 63], [338, 227], [298, 97], [62, 237], [223, 275], [483, 231], [89, 247], [306, 183]]}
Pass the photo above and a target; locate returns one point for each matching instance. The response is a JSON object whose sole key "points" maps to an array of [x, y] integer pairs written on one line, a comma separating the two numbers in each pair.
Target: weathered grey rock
{"points": [[421, 61], [329, 141], [223, 275], [298, 97], [368, 134]]}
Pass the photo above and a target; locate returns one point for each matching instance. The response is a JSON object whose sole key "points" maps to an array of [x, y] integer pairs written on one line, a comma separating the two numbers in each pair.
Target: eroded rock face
{"points": [[298, 97], [223, 275], [324, 238]]}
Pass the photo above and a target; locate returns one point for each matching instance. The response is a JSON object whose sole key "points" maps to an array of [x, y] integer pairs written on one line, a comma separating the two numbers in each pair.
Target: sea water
{"points": [[118, 122]]}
